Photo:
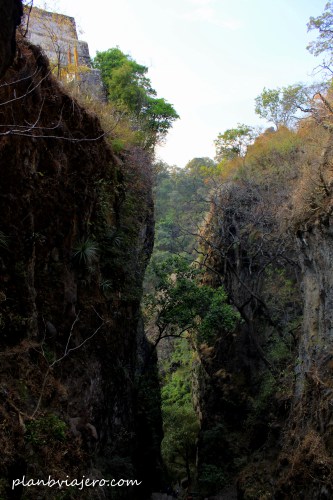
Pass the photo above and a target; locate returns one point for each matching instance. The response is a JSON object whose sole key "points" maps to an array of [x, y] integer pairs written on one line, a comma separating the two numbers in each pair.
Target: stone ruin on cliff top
{"points": [[69, 57]]}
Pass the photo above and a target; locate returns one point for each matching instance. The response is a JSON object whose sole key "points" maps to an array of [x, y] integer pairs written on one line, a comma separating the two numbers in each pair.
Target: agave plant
{"points": [[3, 240], [106, 286], [85, 252], [112, 239]]}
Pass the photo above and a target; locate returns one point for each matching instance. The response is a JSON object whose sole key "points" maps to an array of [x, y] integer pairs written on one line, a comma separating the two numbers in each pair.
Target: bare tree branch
{"points": [[66, 353]]}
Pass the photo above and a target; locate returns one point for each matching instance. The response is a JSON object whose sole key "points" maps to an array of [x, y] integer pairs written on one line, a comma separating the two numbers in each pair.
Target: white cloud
{"points": [[230, 24], [200, 2], [206, 11]]}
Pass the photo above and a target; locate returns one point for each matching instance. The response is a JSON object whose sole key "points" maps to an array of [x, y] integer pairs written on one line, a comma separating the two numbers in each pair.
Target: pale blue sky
{"points": [[209, 58]]}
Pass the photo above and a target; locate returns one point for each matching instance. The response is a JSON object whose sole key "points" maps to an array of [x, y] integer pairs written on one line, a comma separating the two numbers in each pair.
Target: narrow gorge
{"points": [[161, 325]]}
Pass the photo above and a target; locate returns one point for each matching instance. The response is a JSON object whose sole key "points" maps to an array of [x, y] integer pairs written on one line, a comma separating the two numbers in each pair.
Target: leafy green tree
{"points": [[180, 304], [130, 91], [280, 105], [200, 167], [181, 428], [324, 42], [168, 232], [181, 425], [182, 198], [124, 79], [159, 115], [233, 142]]}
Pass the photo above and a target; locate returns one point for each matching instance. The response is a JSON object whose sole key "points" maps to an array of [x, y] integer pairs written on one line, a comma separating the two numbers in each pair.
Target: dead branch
{"points": [[29, 91], [66, 353]]}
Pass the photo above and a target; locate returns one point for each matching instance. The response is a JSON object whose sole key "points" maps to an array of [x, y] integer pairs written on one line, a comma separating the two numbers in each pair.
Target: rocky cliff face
{"points": [[10, 17], [305, 464], [244, 383], [76, 234], [265, 393]]}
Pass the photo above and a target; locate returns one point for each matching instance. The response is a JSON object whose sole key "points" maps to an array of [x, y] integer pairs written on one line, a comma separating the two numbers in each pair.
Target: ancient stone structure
{"points": [[69, 56]]}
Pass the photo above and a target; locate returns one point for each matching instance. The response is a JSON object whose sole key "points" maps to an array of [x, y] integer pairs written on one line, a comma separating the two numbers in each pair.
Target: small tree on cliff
{"points": [[130, 91]]}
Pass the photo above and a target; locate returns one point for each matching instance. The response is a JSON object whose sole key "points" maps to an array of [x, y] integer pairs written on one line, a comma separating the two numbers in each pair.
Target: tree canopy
{"points": [[130, 91], [181, 304], [280, 105], [324, 42], [233, 142]]}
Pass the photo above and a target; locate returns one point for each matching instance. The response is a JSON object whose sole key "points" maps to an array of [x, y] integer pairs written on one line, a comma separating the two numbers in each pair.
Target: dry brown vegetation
{"points": [[256, 242]]}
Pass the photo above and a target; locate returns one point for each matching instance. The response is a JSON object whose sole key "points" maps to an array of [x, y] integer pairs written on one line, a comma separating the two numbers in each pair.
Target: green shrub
{"points": [[211, 478], [45, 429]]}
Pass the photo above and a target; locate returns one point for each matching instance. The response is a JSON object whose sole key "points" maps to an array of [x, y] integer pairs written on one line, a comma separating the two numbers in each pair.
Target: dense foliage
{"points": [[181, 423], [181, 201], [130, 91], [180, 304]]}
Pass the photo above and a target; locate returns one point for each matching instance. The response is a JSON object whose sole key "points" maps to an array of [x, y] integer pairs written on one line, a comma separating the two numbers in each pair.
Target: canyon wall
{"points": [[79, 391]]}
